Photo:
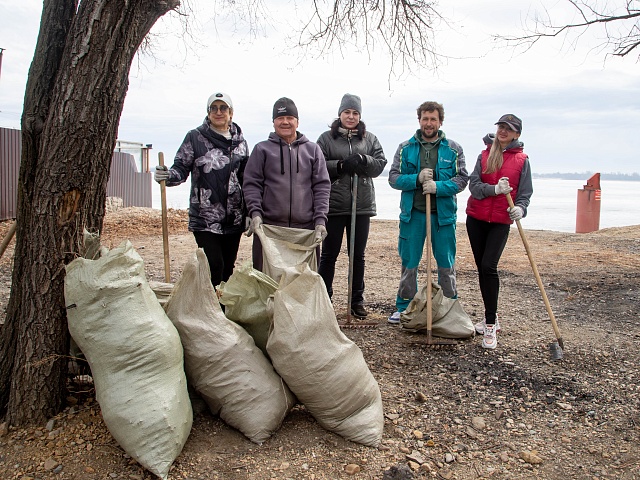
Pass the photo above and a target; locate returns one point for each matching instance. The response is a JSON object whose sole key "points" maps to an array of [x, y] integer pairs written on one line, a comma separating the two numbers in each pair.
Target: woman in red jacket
{"points": [[502, 169]]}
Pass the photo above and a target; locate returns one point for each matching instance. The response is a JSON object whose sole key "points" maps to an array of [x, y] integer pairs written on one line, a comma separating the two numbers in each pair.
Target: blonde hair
{"points": [[495, 159]]}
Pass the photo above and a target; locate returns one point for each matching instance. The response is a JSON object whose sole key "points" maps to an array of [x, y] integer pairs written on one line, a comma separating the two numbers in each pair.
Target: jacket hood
{"points": [[489, 137], [515, 144], [417, 137], [234, 129], [300, 138]]}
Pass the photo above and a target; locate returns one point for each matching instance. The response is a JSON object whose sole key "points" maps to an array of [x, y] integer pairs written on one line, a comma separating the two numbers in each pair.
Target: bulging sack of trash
{"points": [[284, 247], [245, 297], [135, 356], [222, 362], [324, 369], [449, 320], [162, 291]]}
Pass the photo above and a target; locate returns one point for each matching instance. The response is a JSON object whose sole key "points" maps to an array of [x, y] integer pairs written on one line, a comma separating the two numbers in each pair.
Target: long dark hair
{"points": [[361, 129]]}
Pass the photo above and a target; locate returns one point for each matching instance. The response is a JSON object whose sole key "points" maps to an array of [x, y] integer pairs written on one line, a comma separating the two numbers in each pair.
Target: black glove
{"points": [[350, 163], [361, 169]]}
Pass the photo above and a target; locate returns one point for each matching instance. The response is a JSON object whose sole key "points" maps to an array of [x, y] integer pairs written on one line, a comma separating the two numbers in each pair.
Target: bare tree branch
{"points": [[620, 25], [405, 28]]}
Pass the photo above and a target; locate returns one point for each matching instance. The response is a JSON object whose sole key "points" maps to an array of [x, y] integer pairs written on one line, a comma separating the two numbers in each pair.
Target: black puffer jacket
{"points": [[216, 166], [337, 149]]}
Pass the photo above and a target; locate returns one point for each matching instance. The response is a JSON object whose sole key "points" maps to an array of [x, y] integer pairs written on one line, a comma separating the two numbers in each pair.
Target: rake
{"points": [[352, 236], [554, 347]]}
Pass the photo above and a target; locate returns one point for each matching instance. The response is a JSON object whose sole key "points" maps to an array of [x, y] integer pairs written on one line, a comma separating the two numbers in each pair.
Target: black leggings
{"points": [[336, 225], [487, 243], [221, 251]]}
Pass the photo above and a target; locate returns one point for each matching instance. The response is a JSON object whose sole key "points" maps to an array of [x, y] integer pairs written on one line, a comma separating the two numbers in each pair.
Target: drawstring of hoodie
{"points": [[282, 158]]}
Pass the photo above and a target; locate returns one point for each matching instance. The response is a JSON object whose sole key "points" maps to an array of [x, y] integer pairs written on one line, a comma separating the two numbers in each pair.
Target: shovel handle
{"points": [[165, 223], [7, 238], [537, 275], [352, 235]]}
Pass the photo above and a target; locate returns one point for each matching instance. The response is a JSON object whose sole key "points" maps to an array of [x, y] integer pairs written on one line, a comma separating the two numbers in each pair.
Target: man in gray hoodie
{"points": [[286, 182]]}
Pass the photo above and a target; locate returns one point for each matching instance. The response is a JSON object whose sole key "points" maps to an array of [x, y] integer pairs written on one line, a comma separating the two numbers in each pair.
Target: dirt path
{"points": [[459, 413]]}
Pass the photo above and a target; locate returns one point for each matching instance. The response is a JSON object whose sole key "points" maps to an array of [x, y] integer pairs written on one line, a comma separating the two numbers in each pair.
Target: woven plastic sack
{"points": [[162, 291], [284, 247], [324, 369], [135, 356], [222, 361], [449, 320], [245, 297]]}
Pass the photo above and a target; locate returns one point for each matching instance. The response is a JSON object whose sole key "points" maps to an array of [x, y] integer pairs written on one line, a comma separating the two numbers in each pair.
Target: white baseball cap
{"points": [[220, 96]]}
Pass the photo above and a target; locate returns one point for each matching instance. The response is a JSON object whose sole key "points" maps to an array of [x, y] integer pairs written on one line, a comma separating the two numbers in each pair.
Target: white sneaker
{"points": [[394, 319], [490, 338], [480, 326]]}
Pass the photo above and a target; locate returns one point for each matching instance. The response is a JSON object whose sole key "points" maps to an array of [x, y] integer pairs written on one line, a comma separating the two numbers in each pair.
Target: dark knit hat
{"points": [[350, 101], [514, 122], [284, 107]]}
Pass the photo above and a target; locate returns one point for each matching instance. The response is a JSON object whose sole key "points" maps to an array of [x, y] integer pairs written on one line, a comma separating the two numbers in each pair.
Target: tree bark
{"points": [[74, 98]]}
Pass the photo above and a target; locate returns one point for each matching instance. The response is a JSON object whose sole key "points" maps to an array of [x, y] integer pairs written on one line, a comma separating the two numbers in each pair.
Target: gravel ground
{"points": [[458, 412]]}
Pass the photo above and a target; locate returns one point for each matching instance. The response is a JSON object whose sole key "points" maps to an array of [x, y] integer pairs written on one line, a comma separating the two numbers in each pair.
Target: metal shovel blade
{"points": [[556, 351]]}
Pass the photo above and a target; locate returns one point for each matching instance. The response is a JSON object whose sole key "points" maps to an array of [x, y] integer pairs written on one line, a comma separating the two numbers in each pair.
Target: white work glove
{"points": [[429, 187], [502, 187], [425, 175], [161, 174], [321, 233], [515, 213], [253, 226]]}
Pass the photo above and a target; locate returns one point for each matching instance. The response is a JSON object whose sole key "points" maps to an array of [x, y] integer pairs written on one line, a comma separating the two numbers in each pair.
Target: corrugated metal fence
{"points": [[124, 182], [10, 148]]}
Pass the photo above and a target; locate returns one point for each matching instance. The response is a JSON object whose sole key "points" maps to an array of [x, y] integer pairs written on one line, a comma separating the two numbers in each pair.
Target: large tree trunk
{"points": [[75, 92]]}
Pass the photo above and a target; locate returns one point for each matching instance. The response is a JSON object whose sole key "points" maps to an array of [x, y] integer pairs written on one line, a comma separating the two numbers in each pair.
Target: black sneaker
{"points": [[358, 311]]}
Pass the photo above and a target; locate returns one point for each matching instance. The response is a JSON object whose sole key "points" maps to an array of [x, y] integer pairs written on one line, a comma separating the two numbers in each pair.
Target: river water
{"points": [[553, 204]]}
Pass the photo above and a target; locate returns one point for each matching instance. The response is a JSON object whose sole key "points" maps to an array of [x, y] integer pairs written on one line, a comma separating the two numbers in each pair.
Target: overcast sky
{"points": [[580, 111]]}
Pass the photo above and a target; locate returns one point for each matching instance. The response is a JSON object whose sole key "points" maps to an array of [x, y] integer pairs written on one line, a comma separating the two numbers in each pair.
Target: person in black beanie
{"points": [[286, 181], [351, 152]]}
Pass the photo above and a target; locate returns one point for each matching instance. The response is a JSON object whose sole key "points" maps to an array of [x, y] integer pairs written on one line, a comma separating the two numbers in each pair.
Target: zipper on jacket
{"points": [[290, 184], [226, 197]]}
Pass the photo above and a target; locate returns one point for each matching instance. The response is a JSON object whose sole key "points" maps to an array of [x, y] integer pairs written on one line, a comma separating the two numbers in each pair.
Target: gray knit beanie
{"points": [[350, 101]]}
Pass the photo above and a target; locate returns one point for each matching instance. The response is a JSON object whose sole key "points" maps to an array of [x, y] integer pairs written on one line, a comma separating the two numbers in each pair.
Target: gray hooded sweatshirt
{"points": [[287, 185]]}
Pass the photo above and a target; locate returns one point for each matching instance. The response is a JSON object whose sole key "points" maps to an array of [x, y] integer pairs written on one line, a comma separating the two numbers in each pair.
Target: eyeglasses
{"points": [[504, 126], [215, 108]]}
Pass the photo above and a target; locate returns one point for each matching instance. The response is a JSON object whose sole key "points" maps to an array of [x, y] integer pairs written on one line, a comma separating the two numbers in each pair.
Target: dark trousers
{"points": [[336, 225], [487, 243], [221, 251]]}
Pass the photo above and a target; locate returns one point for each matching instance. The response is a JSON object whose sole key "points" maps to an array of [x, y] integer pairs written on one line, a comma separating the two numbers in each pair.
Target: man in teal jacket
{"points": [[427, 164]]}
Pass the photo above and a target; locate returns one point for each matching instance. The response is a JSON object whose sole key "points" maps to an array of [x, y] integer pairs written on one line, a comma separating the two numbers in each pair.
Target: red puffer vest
{"points": [[494, 208]]}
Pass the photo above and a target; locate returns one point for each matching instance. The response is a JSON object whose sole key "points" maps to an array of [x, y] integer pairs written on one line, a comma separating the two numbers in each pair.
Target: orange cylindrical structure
{"points": [[588, 207]]}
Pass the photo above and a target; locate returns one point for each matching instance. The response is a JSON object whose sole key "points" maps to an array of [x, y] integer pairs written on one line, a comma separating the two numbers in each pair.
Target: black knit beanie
{"points": [[284, 107]]}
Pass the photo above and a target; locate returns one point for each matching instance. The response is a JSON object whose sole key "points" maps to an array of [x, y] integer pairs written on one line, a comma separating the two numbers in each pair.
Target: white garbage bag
{"points": [[449, 320], [222, 361], [135, 356], [324, 369], [284, 247], [245, 297]]}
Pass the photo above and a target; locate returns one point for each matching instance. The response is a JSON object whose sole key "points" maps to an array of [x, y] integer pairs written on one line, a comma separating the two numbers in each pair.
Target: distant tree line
{"points": [[630, 177]]}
